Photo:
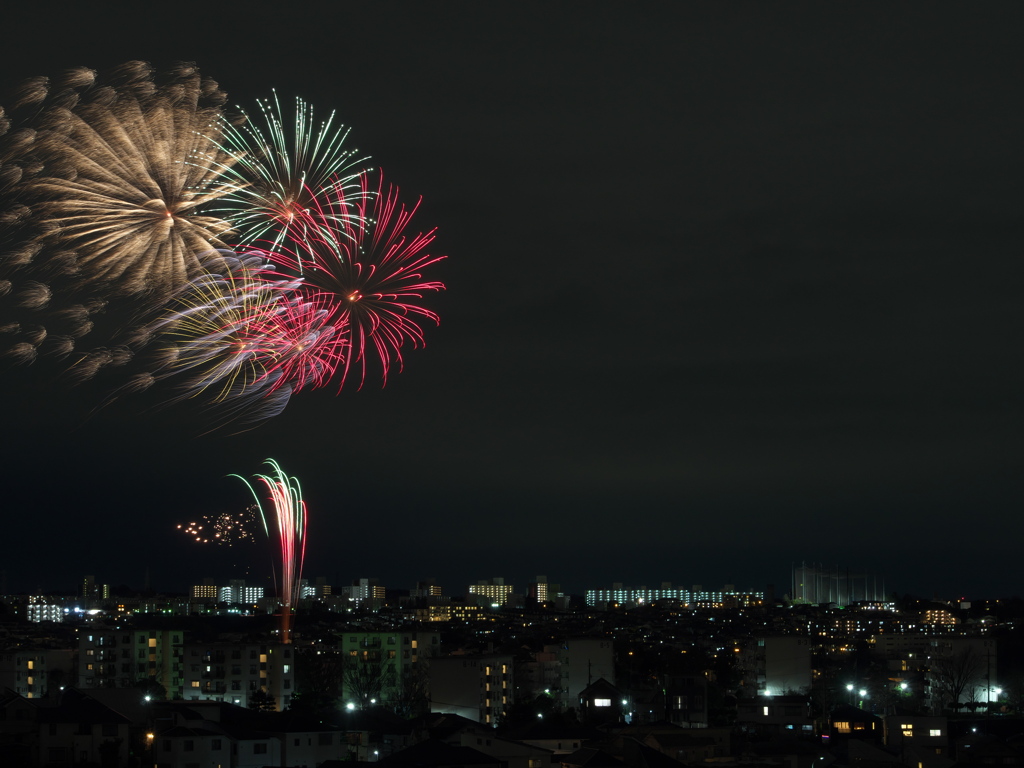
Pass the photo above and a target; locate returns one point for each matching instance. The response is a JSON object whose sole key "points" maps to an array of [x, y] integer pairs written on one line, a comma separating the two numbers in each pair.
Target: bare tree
{"points": [[367, 677], [319, 679], [954, 674], [412, 693]]}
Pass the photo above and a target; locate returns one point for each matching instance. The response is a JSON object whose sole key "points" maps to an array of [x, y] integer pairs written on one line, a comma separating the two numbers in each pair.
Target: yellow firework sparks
{"points": [[124, 187], [223, 528]]}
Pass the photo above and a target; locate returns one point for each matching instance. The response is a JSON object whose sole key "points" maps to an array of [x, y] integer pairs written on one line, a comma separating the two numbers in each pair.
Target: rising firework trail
{"points": [[284, 521]]}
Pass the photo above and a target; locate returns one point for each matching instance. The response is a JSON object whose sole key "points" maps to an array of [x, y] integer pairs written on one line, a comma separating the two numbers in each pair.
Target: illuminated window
{"points": [[195, 683], [842, 727], [765, 710], [935, 732], [602, 702]]}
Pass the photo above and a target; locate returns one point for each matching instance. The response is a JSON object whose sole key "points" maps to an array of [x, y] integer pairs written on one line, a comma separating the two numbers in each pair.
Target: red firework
{"points": [[361, 255]]}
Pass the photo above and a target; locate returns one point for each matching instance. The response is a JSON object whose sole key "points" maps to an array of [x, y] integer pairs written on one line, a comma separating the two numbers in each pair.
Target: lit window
{"points": [[602, 702], [765, 710], [935, 732]]}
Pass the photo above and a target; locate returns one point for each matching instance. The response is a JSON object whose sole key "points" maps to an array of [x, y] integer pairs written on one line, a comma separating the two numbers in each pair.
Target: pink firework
{"points": [[300, 347], [362, 256]]}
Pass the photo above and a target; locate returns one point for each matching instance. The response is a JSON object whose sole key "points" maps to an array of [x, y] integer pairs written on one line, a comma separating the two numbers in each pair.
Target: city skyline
{"points": [[813, 583], [728, 288]]}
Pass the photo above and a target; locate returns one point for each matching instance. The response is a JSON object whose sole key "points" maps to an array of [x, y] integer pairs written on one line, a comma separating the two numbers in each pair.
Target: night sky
{"points": [[729, 286]]}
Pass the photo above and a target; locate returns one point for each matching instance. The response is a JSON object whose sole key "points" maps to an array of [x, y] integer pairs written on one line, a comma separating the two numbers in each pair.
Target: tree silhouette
{"points": [[953, 674]]}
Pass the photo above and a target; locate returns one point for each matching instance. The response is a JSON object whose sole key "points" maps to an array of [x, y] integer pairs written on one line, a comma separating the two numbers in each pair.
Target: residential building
{"points": [[235, 672], [490, 592], [120, 658], [480, 688], [386, 667]]}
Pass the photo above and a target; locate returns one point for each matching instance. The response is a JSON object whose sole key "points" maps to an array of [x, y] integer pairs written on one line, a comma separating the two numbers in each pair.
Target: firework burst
{"points": [[127, 201], [124, 199], [208, 337], [274, 171], [98, 206], [373, 271], [301, 346]]}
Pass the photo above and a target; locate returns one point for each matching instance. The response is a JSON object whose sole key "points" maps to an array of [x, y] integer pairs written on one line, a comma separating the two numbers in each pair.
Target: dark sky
{"points": [[730, 286]]}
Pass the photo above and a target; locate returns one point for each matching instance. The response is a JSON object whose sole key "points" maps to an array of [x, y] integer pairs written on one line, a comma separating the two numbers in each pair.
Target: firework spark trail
{"points": [[273, 177], [374, 272], [286, 526]]}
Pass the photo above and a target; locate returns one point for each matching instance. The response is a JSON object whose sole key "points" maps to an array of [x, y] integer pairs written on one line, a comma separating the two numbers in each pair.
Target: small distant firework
{"points": [[224, 528], [284, 522]]}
